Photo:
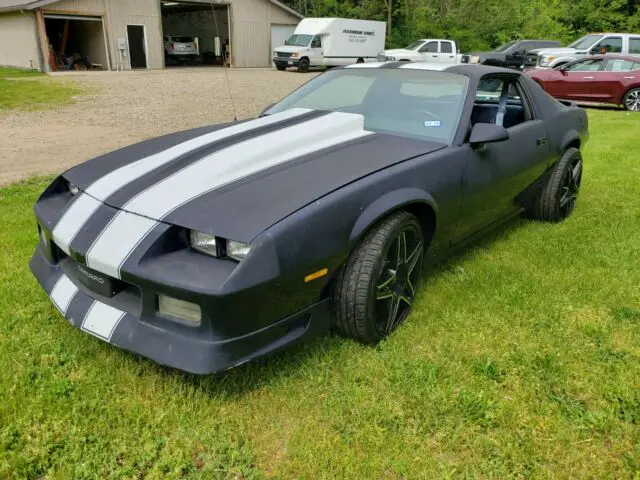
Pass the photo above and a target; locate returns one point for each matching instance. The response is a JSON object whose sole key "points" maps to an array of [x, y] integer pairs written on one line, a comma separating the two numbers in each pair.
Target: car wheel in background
{"points": [[559, 195], [360, 60], [631, 100], [281, 68], [376, 288], [303, 65]]}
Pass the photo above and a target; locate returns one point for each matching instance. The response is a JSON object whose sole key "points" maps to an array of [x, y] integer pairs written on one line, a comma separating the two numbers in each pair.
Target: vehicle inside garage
{"points": [[76, 42], [195, 33]]}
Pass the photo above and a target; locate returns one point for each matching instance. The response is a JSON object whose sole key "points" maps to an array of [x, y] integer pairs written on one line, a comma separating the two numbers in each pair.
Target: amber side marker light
{"points": [[314, 275]]}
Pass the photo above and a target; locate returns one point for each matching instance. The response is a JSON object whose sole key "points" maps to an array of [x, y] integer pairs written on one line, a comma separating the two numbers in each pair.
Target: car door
{"points": [[498, 175], [429, 52], [316, 56], [578, 79], [514, 58], [447, 53], [610, 84]]}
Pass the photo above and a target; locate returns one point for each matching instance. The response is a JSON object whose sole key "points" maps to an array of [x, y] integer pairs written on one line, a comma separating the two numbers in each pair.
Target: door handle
{"points": [[541, 141], [588, 78], [434, 56]]}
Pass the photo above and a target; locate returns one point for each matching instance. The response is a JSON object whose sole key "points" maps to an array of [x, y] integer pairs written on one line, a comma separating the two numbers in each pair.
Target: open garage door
{"points": [[76, 42], [280, 33], [195, 33]]}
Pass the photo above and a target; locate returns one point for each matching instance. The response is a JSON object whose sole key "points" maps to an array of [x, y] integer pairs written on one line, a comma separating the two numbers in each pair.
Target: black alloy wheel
{"points": [[377, 286]]}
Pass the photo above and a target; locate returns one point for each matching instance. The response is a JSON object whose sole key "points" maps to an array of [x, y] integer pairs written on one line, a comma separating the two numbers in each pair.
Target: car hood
{"points": [[553, 51], [236, 180], [395, 51]]}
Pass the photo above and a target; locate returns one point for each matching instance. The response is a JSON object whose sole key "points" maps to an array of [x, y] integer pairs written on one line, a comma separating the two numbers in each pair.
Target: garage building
{"points": [[52, 35]]}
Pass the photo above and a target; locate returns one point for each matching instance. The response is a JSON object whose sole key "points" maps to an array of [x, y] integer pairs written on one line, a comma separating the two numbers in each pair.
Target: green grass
{"points": [[22, 90], [522, 359]]}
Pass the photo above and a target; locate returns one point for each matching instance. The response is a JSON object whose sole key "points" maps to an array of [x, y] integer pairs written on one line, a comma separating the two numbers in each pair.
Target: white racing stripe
{"points": [[240, 160], [62, 293], [101, 320], [87, 203]]}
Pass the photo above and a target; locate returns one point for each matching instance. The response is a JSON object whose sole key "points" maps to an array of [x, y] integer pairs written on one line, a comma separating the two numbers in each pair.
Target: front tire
{"points": [[631, 100], [376, 288], [303, 65], [281, 68], [558, 197]]}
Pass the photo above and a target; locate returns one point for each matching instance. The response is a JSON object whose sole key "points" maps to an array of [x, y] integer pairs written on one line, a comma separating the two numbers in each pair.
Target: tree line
{"points": [[483, 24]]}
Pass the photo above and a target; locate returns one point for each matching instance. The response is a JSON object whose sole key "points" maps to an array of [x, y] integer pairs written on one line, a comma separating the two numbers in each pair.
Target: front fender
{"points": [[386, 204]]}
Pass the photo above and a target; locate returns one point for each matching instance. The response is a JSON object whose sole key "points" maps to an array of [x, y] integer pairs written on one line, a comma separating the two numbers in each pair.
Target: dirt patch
{"points": [[121, 108]]}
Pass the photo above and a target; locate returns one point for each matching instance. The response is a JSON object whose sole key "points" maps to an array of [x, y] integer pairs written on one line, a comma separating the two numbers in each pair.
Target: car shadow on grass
{"points": [[302, 359]]}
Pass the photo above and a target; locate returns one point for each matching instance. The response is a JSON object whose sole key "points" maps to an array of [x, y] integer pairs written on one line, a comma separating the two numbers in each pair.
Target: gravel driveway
{"points": [[120, 108]]}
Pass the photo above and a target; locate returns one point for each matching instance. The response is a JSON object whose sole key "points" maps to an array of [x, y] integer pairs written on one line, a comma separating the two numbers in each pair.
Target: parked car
{"points": [[432, 50], [330, 42], [509, 55], [601, 79], [180, 48], [208, 248], [592, 44]]}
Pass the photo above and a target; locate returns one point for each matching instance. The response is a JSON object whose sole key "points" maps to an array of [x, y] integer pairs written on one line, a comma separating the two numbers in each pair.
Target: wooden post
{"points": [[65, 36], [44, 42]]}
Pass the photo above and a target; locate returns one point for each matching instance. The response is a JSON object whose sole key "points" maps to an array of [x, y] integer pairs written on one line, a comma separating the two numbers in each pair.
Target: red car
{"points": [[611, 79]]}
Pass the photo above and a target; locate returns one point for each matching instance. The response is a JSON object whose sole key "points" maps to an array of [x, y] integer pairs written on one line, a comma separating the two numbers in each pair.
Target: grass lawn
{"points": [[521, 359], [23, 90]]}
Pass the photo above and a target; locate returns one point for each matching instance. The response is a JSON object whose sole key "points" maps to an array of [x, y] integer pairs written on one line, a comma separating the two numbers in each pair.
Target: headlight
{"points": [[237, 250], [475, 59], [295, 55], [546, 60], [204, 242], [210, 245]]}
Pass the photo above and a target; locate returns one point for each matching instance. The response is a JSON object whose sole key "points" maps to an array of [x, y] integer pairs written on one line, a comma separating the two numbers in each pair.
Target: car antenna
{"points": [[226, 73]]}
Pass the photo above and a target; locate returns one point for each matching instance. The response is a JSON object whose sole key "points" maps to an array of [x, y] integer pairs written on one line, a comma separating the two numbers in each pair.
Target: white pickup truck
{"points": [[432, 50]]}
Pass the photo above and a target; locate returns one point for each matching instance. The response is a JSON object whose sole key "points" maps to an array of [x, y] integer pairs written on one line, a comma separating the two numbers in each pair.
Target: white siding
{"points": [[18, 41]]}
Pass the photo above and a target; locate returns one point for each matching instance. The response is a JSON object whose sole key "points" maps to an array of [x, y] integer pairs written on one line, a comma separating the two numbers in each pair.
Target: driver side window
{"points": [[430, 47], [496, 92], [316, 42]]}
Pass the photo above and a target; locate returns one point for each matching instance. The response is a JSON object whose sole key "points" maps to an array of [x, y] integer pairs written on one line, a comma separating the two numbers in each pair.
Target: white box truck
{"points": [[331, 42]]}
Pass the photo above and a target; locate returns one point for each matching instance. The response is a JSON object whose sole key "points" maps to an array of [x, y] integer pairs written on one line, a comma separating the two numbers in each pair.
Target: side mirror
{"points": [[487, 133], [286, 42], [594, 50], [265, 109]]}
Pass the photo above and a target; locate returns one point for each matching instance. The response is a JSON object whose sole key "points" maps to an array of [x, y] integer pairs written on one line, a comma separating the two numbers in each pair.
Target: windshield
{"points": [[299, 40], [182, 39], [504, 47], [415, 45], [585, 42], [409, 103]]}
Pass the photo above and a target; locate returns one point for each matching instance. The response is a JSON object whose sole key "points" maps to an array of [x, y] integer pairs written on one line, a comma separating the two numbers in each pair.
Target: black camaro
{"points": [[207, 248]]}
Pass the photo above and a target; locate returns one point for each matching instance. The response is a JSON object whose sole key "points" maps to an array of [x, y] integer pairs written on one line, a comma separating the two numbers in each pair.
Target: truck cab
{"points": [[592, 44], [424, 50]]}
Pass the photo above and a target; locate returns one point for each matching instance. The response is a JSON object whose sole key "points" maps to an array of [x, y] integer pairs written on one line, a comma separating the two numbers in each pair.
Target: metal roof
{"points": [[12, 5]]}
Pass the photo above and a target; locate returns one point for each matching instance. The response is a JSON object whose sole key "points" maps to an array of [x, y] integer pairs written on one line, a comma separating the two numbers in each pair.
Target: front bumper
{"points": [[125, 322], [286, 62]]}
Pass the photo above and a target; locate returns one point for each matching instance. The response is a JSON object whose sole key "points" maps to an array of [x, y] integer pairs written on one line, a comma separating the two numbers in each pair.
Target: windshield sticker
{"points": [[433, 123]]}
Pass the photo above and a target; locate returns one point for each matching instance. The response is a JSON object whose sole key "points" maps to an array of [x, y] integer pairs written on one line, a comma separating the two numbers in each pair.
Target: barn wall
{"points": [[18, 41], [90, 7]]}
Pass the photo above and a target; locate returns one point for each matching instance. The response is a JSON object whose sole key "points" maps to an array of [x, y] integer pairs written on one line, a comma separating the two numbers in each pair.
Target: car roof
{"points": [[462, 69]]}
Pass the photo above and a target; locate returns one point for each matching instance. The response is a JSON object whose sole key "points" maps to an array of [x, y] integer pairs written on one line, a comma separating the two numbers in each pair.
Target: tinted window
{"points": [[445, 47], [585, 42], [414, 45], [611, 45], [431, 47], [618, 65], [586, 66], [504, 47], [409, 103], [316, 42], [634, 45]]}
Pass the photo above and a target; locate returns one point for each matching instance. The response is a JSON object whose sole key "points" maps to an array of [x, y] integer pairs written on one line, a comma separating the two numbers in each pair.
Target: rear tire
{"points": [[376, 288], [303, 66], [559, 195], [631, 100], [360, 60]]}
